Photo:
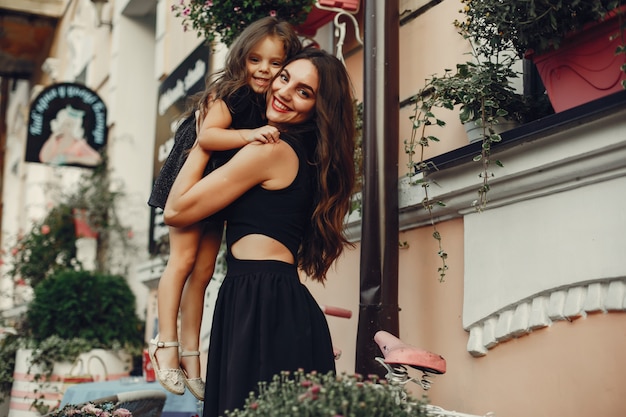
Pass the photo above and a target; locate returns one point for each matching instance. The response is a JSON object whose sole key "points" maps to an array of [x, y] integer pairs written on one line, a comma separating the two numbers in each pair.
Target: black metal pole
{"points": [[378, 308]]}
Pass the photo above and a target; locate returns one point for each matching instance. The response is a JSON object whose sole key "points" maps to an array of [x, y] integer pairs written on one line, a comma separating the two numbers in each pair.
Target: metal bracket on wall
{"points": [[349, 10]]}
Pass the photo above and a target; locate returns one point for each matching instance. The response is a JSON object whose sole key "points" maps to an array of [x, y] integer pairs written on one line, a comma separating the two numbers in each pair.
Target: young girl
{"points": [[254, 58]]}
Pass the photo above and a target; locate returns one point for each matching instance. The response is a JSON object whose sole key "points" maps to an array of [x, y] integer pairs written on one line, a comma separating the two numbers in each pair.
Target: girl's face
{"points": [[263, 62], [293, 93]]}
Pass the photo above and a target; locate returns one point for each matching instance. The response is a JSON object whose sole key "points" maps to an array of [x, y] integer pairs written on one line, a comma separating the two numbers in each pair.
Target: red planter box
{"points": [[584, 68]]}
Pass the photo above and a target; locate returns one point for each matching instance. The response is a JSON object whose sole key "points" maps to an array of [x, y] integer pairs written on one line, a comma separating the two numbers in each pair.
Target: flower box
{"points": [[584, 67]]}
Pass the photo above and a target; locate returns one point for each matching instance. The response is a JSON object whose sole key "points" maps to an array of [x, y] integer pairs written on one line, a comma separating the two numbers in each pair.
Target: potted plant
{"points": [[88, 305], [483, 92], [317, 395], [76, 313], [224, 21], [545, 31]]}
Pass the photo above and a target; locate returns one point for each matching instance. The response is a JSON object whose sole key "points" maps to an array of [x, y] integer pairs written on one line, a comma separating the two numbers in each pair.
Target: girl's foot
{"points": [[195, 385], [171, 379]]}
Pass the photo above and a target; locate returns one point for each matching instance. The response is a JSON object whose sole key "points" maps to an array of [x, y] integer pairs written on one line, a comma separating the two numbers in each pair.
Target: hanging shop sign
{"points": [[67, 126]]}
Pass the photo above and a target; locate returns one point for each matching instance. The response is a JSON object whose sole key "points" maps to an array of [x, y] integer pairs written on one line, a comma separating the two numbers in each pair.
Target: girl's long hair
{"points": [[234, 74], [334, 160]]}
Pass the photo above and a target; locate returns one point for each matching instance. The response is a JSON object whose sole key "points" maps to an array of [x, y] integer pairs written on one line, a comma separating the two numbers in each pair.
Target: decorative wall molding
{"points": [[566, 303]]}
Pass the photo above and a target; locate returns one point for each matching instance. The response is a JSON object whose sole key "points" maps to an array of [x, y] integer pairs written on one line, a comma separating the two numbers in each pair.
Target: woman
{"points": [[255, 57], [285, 208]]}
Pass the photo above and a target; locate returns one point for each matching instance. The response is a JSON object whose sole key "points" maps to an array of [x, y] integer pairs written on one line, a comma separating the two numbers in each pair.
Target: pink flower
{"points": [[14, 251], [45, 229], [91, 408], [273, 13], [130, 234], [187, 11], [237, 9], [209, 3], [122, 412]]}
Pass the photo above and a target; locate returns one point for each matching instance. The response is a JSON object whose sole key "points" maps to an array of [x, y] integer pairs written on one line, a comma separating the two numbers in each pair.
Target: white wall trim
{"points": [[565, 303]]}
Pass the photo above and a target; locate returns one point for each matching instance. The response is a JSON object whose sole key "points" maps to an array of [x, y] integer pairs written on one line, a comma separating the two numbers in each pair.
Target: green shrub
{"points": [[81, 304]]}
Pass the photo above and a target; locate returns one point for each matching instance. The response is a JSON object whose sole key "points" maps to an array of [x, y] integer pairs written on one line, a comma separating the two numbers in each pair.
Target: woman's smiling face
{"points": [[293, 94]]}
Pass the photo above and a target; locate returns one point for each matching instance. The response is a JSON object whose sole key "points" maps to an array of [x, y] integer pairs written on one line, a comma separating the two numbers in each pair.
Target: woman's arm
{"points": [[215, 135], [193, 198]]}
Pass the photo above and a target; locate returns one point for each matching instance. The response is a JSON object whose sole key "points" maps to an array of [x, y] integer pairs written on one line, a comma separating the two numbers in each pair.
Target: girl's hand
{"points": [[198, 122], [264, 134]]}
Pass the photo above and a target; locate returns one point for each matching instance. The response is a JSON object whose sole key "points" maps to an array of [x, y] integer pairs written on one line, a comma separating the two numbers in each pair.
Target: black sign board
{"points": [[67, 125]]}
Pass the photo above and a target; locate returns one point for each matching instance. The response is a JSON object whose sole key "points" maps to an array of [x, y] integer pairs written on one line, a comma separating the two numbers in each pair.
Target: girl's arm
{"points": [[273, 166], [215, 133]]}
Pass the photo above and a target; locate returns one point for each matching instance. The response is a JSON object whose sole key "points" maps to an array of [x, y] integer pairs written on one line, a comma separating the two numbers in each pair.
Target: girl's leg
{"points": [[183, 249], [192, 303]]}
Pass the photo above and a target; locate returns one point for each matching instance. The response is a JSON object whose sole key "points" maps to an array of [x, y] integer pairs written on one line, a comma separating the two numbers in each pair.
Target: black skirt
{"points": [[184, 139], [265, 322]]}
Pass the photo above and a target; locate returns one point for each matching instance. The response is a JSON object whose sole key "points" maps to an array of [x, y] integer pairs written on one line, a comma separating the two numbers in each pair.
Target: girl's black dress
{"points": [[247, 111], [265, 320]]}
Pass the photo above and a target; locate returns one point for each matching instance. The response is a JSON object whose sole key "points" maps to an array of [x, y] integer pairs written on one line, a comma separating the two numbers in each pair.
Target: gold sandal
{"points": [[194, 385], [172, 380]]}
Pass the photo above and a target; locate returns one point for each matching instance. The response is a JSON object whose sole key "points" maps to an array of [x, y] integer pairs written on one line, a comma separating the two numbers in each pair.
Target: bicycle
{"points": [[397, 356]]}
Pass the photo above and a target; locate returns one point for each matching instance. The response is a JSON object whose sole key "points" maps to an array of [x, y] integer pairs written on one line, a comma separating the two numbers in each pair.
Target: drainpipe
{"points": [[378, 306]]}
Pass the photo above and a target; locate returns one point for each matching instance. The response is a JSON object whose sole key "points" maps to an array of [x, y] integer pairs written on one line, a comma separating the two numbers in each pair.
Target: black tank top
{"points": [[282, 214]]}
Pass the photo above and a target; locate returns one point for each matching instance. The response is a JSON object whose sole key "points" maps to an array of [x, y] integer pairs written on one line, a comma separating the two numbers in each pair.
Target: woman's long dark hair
{"points": [[334, 159]]}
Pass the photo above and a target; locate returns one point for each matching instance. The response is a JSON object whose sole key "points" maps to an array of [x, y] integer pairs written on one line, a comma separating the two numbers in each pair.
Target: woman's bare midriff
{"points": [[261, 247]]}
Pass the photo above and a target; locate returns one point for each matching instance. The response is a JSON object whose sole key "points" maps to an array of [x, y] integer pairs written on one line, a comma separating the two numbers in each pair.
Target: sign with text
{"points": [[67, 125]]}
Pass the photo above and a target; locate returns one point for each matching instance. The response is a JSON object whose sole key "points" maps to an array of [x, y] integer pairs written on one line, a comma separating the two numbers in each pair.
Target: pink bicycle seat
{"points": [[395, 351]]}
